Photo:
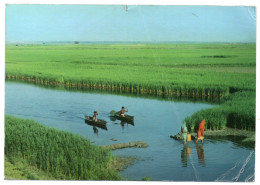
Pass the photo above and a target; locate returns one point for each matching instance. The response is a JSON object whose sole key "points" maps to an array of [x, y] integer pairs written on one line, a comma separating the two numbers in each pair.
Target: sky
{"points": [[136, 23]]}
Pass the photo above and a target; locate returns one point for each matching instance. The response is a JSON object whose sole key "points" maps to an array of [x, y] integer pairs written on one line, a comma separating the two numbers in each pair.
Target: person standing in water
{"points": [[200, 132], [184, 131]]}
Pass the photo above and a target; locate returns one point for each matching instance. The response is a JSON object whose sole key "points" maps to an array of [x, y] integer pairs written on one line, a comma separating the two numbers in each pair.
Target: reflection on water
{"points": [[185, 153], [95, 130], [200, 152], [123, 123]]}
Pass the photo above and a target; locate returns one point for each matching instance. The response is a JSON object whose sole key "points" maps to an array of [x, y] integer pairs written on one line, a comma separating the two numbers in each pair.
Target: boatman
{"points": [[122, 111], [95, 115]]}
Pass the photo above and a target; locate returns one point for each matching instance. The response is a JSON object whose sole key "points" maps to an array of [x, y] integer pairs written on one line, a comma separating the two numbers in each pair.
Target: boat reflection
{"points": [[95, 130], [123, 123]]}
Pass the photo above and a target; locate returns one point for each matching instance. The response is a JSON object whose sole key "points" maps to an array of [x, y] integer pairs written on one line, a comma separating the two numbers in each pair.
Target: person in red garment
{"points": [[201, 131]]}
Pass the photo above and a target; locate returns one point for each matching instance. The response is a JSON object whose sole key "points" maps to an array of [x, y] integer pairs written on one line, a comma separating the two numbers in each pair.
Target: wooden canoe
{"points": [[99, 123], [126, 118]]}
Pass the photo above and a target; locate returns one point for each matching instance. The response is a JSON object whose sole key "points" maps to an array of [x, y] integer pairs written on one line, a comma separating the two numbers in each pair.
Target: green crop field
{"points": [[210, 71], [170, 69]]}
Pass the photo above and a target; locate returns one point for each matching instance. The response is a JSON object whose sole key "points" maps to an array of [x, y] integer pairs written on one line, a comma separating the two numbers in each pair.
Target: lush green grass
{"points": [[58, 153], [171, 69], [238, 111], [17, 168], [192, 70]]}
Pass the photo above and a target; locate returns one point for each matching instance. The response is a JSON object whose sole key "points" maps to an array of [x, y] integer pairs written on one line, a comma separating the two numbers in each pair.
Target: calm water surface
{"points": [[155, 120]]}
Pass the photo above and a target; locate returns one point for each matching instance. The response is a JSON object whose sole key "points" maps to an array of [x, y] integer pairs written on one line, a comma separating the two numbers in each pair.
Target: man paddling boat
{"points": [[122, 111], [95, 116]]}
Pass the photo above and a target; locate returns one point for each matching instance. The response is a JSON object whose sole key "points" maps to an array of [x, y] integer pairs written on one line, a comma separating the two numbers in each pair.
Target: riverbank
{"points": [[211, 72], [21, 164], [208, 93], [17, 168], [242, 137], [61, 154], [237, 111]]}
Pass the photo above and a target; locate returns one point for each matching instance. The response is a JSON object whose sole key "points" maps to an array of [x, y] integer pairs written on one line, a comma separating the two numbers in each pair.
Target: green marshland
{"points": [[224, 73]]}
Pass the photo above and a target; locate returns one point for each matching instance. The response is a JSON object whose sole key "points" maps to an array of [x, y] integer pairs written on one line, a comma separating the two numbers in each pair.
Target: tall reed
{"points": [[237, 112], [57, 152]]}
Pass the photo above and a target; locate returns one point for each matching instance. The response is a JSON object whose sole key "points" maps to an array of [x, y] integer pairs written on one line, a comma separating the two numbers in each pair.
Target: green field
{"points": [[59, 154], [195, 70], [206, 71]]}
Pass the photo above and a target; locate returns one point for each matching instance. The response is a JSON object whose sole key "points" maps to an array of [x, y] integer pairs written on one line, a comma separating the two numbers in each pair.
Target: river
{"points": [[164, 159]]}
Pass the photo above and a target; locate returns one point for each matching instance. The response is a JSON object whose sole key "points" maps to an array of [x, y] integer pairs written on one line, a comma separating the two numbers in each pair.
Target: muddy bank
{"points": [[242, 137], [120, 163], [137, 144]]}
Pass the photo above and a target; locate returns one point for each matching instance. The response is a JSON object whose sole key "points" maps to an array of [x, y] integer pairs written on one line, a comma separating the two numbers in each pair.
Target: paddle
{"points": [[113, 112]]}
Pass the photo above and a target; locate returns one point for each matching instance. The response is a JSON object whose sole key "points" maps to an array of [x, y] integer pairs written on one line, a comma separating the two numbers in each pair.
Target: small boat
{"points": [[99, 123], [126, 118]]}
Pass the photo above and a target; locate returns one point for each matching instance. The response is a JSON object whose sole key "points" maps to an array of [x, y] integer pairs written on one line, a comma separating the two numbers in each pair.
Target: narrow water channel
{"points": [[155, 120]]}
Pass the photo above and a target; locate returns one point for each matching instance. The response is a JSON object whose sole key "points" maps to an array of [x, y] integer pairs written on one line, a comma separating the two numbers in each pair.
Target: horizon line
{"points": [[78, 42]]}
